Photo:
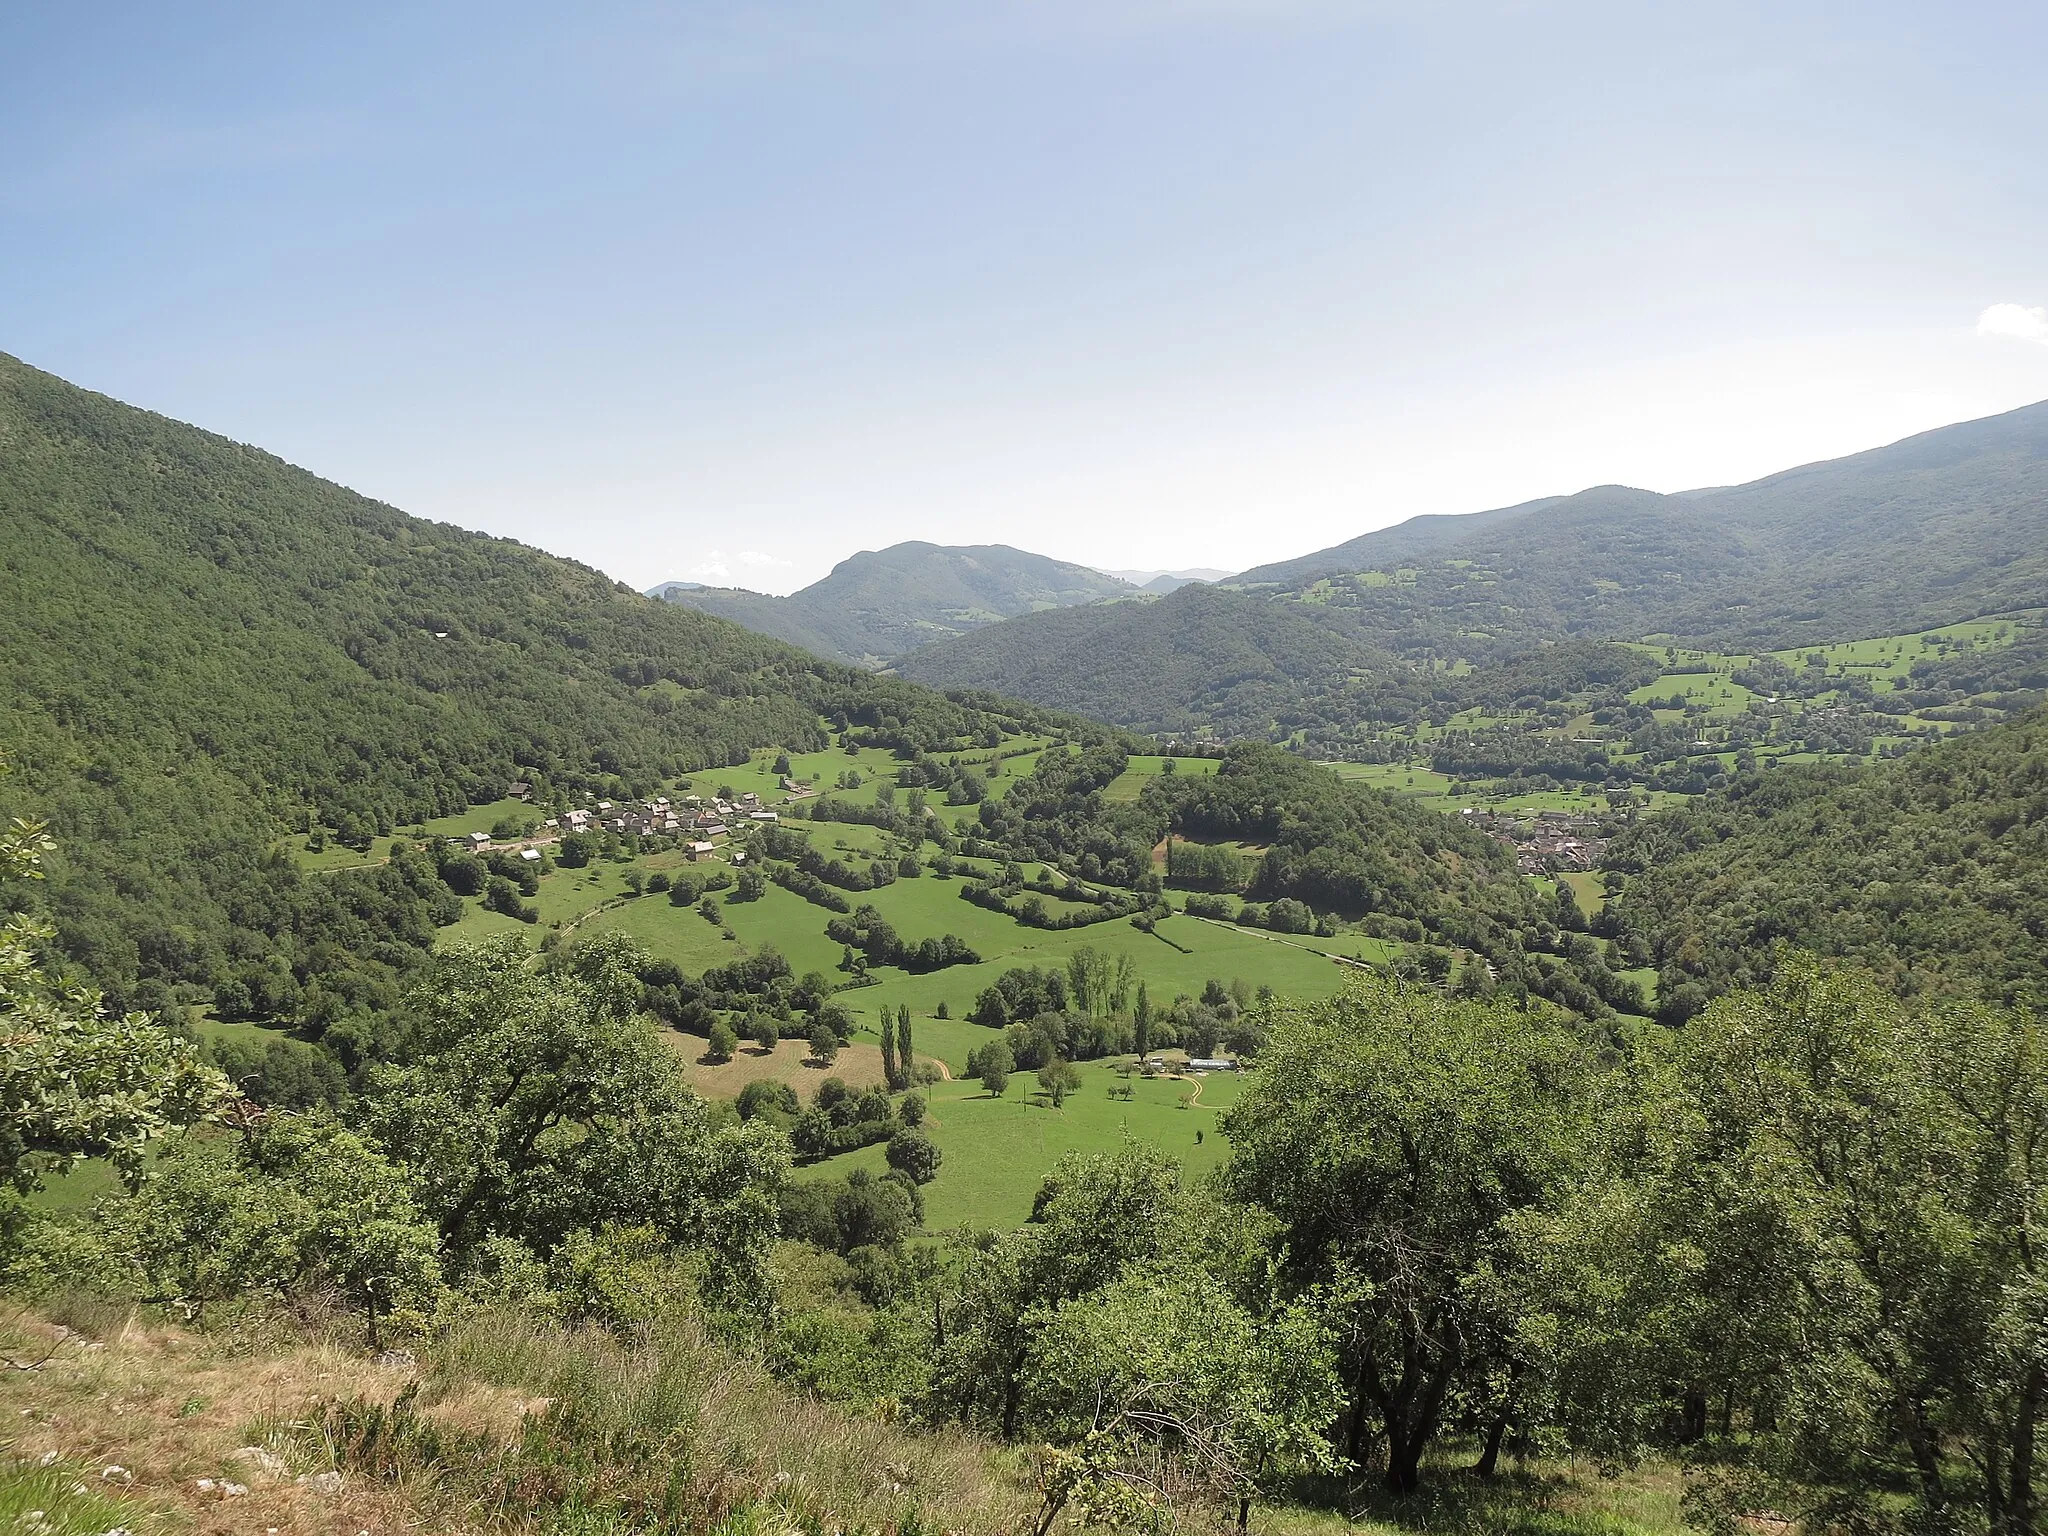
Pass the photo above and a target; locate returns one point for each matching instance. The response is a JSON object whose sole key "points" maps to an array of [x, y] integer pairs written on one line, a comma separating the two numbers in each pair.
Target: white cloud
{"points": [[717, 565], [2024, 322]]}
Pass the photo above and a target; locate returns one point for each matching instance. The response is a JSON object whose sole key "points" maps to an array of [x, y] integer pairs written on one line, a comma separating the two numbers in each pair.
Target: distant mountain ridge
{"points": [[1906, 529], [881, 603], [1159, 583], [1942, 526]]}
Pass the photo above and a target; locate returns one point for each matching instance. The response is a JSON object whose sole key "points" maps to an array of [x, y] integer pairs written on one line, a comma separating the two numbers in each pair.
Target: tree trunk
{"points": [[1489, 1457], [2019, 1509], [1692, 1420], [1013, 1395], [1920, 1442], [1410, 1428], [1404, 1462], [1355, 1439]]}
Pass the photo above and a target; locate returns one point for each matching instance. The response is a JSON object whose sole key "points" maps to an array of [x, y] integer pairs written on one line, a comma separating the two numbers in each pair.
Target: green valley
{"points": [[427, 935]]}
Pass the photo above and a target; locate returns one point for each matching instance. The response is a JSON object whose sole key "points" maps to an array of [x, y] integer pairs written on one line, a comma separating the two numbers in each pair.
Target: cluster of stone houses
{"points": [[702, 823], [1552, 841]]}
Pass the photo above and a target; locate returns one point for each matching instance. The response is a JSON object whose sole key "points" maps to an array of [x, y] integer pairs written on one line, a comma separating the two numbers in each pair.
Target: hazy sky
{"points": [[730, 291]]}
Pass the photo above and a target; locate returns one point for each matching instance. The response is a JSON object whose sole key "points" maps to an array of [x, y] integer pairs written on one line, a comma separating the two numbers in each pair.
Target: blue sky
{"points": [[730, 291]]}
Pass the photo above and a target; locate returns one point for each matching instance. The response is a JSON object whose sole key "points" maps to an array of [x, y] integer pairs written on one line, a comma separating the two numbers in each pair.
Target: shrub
{"points": [[913, 1152], [775, 1101]]}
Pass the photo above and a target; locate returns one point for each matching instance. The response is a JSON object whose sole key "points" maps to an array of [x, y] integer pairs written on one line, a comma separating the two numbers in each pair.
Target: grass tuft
{"points": [[64, 1500]]}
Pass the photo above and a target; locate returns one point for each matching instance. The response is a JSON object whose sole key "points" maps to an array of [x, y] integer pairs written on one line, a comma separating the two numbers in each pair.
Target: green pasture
{"points": [[1891, 657], [331, 857], [1413, 780], [996, 1151], [1129, 784], [479, 818], [1715, 692], [1417, 782], [1588, 888], [77, 1188], [1646, 978], [1216, 953], [927, 907]]}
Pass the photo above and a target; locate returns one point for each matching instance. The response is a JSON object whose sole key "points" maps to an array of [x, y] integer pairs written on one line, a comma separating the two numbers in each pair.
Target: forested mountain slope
{"points": [[1940, 526], [880, 603], [1413, 539], [1932, 870], [1200, 656], [1944, 526], [200, 645]]}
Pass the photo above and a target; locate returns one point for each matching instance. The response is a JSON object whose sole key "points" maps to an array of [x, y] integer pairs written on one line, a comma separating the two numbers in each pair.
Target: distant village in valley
{"points": [[701, 824], [1552, 842]]}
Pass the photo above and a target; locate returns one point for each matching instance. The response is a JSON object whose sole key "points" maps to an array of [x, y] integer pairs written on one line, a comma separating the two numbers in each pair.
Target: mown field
{"points": [[997, 1150]]}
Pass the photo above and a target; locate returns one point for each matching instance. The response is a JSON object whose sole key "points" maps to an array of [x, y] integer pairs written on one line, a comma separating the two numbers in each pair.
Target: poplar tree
{"points": [[889, 1052]]}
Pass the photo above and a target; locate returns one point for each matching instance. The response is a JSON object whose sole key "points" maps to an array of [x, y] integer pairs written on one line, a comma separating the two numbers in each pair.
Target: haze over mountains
{"points": [[1942, 526], [1159, 583], [880, 603]]}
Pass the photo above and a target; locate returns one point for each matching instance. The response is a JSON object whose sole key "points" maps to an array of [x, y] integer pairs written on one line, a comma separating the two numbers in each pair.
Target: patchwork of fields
{"points": [[1847, 702], [996, 1150]]}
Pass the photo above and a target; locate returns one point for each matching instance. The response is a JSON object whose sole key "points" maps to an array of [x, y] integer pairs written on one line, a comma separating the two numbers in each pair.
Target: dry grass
{"points": [[502, 1425], [735, 1437], [170, 1409], [858, 1066], [509, 1425]]}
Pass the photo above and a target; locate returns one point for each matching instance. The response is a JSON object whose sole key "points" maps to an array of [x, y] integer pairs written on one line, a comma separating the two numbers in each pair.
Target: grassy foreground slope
{"points": [[486, 1428]]}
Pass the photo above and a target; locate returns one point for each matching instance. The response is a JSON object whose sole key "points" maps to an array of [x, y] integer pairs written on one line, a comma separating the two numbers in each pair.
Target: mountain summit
{"points": [[1943, 526], [881, 603]]}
